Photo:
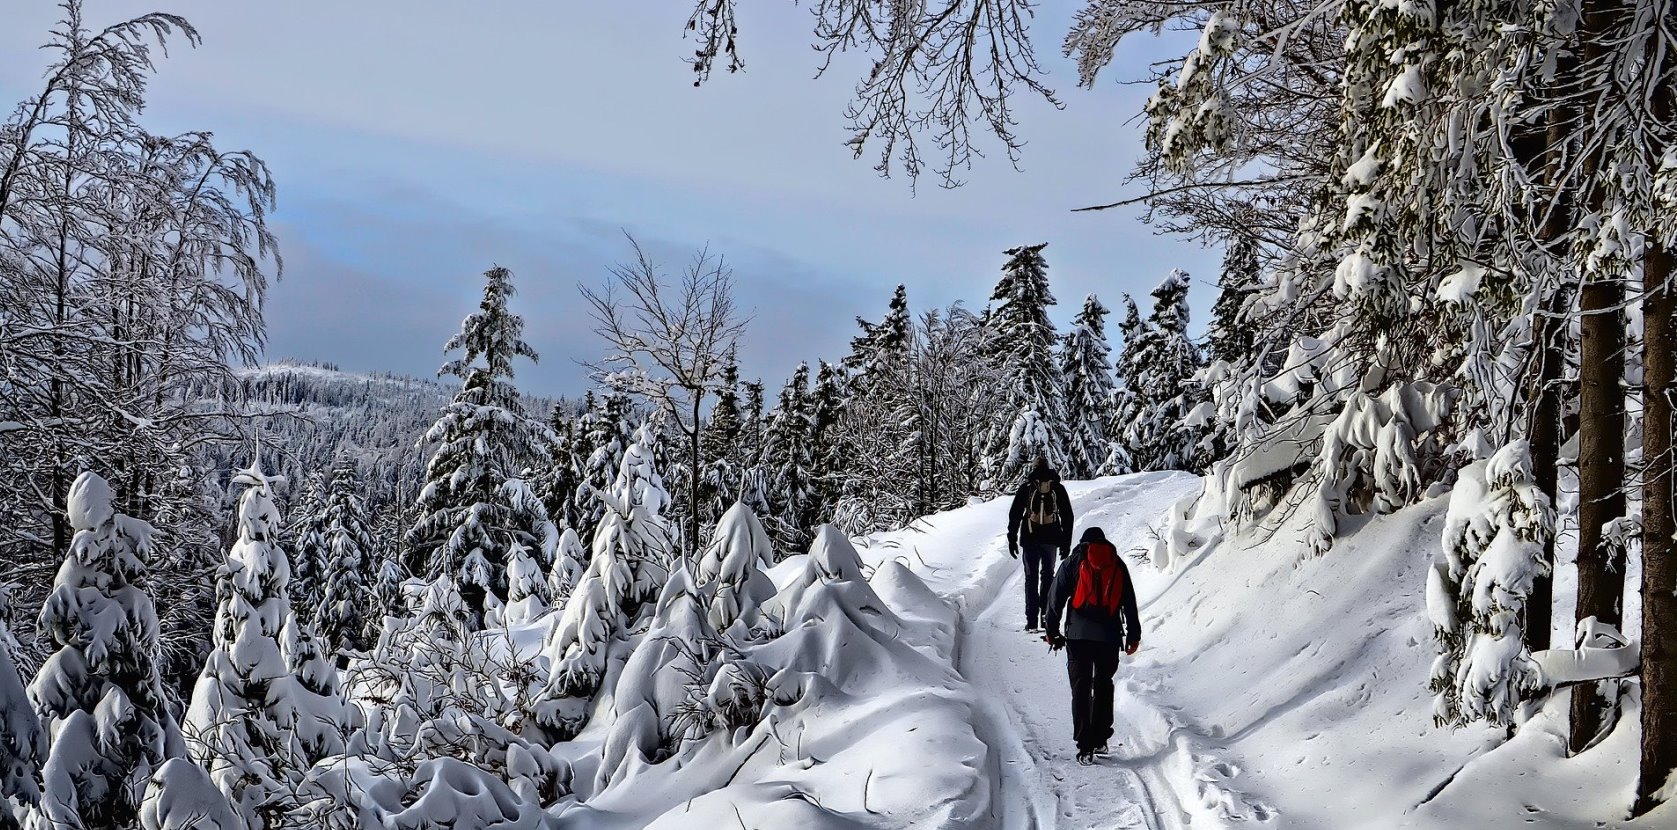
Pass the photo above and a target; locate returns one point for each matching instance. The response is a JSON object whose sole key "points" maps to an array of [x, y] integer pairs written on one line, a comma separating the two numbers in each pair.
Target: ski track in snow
{"points": [[1159, 776]]}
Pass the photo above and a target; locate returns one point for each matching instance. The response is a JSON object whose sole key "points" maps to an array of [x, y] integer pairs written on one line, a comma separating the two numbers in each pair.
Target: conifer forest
{"points": [[1392, 480]]}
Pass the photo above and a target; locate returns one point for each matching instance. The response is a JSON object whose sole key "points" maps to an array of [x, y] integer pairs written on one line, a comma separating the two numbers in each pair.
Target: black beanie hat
{"points": [[1094, 534]]}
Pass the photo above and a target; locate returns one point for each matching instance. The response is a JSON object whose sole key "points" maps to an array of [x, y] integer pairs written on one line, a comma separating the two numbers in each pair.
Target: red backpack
{"points": [[1100, 580]]}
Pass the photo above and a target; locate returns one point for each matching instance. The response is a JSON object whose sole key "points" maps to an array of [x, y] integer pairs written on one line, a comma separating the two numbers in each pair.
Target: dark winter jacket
{"points": [[1091, 624], [1021, 531]]}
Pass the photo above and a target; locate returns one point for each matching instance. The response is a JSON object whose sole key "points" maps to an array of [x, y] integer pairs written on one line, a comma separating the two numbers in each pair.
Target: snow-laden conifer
{"points": [[1022, 345], [1085, 363], [469, 519], [345, 600], [23, 743], [244, 719], [731, 571], [1494, 535], [99, 695], [629, 565]]}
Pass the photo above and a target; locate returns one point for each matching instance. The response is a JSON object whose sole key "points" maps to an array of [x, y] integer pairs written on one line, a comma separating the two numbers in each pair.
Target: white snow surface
{"points": [[1273, 688]]}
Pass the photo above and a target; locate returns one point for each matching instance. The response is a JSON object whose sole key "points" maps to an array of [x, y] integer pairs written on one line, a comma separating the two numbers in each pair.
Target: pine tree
{"points": [[1230, 337], [23, 744], [875, 452], [309, 545], [467, 526], [722, 450], [1085, 365], [99, 695], [244, 710], [569, 564], [1161, 379], [629, 565], [606, 428], [789, 463], [557, 481], [732, 568], [1022, 346], [345, 601], [389, 596], [830, 467]]}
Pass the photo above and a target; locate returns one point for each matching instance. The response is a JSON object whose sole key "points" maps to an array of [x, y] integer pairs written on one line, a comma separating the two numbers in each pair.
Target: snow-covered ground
{"points": [[1272, 686]]}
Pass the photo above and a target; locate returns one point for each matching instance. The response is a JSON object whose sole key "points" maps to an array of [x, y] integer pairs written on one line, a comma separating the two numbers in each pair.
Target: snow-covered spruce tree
{"points": [[828, 401], [569, 563], [1022, 346], [99, 695], [23, 744], [875, 452], [345, 601], [527, 592], [1125, 405], [789, 462], [721, 450], [732, 572], [389, 597], [557, 479], [240, 725], [1085, 363], [308, 545], [629, 565], [1164, 361], [1494, 535], [324, 715], [467, 525], [1230, 336], [606, 430]]}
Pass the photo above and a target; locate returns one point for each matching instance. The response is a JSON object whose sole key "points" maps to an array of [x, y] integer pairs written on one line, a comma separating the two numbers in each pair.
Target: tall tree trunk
{"points": [[1549, 335], [1601, 479], [1659, 559], [1601, 422], [693, 482]]}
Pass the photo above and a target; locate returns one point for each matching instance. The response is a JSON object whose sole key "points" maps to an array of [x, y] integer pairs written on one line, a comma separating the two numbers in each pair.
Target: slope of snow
{"points": [[1273, 687]]}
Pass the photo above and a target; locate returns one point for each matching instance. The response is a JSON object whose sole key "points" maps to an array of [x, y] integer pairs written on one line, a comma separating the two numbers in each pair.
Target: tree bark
{"points": [[1601, 422], [1659, 559]]}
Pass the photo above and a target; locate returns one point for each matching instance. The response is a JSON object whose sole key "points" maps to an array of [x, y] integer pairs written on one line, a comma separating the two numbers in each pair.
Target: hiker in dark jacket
{"points": [[1040, 523], [1095, 592]]}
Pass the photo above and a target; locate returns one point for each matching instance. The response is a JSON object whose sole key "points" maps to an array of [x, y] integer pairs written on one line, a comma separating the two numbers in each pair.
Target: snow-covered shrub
{"points": [[1494, 536], [324, 715], [569, 563], [527, 596], [1369, 454], [23, 744], [180, 796], [731, 570], [662, 681], [99, 695]]}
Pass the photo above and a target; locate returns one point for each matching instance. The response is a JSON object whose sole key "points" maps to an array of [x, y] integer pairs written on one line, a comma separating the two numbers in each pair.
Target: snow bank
{"points": [[866, 722]]}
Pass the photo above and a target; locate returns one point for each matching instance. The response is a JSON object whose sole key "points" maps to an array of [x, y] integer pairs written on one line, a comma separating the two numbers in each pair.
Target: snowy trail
{"points": [[1026, 689], [1024, 696]]}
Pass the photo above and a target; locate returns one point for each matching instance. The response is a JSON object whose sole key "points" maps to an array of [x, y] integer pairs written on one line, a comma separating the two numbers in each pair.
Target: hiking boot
{"points": [[1101, 750], [1032, 628], [1086, 757]]}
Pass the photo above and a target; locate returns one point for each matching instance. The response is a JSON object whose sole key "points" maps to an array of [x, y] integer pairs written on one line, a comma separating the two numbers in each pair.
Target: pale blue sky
{"points": [[416, 143]]}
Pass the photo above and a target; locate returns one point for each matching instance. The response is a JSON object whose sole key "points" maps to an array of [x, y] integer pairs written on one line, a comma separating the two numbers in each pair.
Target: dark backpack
{"points": [[1043, 509], [1100, 580]]}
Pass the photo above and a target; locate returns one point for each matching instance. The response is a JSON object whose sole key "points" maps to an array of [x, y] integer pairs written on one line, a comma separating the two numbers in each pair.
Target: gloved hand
{"points": [[1130, 649], [1013, 549], [1054, 640]]}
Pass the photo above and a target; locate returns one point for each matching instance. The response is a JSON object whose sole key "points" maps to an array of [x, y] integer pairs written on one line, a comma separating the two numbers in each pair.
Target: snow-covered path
{"points": [[1023, 692]]}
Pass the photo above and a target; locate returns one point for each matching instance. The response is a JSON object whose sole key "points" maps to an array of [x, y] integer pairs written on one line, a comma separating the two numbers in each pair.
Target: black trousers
{"points": [[1091, 664], [1039, 576]]}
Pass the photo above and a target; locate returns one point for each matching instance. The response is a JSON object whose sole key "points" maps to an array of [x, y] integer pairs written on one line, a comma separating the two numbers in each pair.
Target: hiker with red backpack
{"points": [[1101, 622], [1040, 522]]}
